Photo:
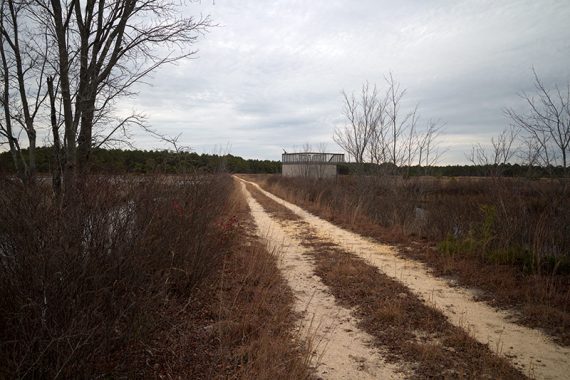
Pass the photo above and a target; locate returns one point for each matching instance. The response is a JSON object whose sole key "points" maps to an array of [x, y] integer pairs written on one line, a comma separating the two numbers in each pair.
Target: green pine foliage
{"points": [[118, 161]]}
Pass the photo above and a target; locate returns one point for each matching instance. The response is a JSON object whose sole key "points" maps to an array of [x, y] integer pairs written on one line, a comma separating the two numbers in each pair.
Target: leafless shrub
{"points": [[80, 287]]}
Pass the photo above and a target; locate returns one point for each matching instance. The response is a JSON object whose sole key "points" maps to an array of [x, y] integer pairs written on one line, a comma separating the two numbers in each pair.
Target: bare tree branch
{"points": [[363, 117], [546, 123]]}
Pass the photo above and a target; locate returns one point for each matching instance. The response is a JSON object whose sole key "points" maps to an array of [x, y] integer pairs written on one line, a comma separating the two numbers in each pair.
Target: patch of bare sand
{"points": [[528, 349], [342, 350]]}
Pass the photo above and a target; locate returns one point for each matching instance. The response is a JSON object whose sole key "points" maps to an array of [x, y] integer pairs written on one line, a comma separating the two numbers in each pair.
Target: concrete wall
{"points": [[309, 170]]}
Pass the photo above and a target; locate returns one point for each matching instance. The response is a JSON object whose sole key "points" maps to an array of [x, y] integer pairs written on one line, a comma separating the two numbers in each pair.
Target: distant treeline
{"points": [[505, 170], [117, 161]]}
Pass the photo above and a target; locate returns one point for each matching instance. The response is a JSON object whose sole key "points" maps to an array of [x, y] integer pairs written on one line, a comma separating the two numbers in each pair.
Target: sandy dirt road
{"points": [[528, 349], [341, 349]]}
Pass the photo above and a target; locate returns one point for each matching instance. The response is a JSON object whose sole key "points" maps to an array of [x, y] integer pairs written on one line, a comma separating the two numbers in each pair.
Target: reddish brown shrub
{"points": [[82, 285]]}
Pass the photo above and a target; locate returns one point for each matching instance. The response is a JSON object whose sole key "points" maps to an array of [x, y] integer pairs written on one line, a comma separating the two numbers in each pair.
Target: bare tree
{"points": [[173, 141], [500, 152], [116, 46], [411, 143], [503, 149], [429, 152], [380, 131], [101, 49], [24, 60], [363, 115], [547, 121], [378, 147], [56, 164], [530, 152], [397, 122], [93, 52]]}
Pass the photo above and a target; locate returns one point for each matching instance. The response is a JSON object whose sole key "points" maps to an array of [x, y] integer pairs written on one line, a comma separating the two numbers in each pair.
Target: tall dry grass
{"points": [[256, 321], [249, 317], [84, 289], [500, 220]]}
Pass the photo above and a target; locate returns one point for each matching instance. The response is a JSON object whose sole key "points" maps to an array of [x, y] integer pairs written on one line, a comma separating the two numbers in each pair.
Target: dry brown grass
{"points": [[273, 208], [475, 231], [401, 323], [542, 301], [255, 319]]}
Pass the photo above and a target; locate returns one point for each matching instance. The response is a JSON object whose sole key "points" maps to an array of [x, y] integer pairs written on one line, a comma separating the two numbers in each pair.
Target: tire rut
{"points": [[341, 349]]}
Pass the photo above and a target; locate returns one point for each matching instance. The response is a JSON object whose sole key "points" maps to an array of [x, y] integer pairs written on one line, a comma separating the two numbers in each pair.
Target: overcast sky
{"points": [[271, 75]]}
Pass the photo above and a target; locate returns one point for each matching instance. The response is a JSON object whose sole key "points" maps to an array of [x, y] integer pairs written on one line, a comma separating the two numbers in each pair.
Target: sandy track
{"points": [[342, 349], [528, 349]]}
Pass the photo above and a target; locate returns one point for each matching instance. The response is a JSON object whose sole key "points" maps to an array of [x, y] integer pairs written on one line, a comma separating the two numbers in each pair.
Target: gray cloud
{"points": [[271, 74]]}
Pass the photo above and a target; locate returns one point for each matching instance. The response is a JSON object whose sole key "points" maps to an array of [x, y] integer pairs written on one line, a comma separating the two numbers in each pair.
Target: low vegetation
{"points": [[139, 278], [401, 323], [509, 237], [84, 289]]}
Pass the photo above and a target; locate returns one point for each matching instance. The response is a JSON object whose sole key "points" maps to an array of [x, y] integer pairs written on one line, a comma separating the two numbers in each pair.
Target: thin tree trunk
{"points": [[56, 167], [69, 171], [12, 142], [28, 119]]}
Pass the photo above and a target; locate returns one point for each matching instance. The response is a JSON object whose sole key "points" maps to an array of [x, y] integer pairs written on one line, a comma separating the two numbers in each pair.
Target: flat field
{"points": [[259, 276]]}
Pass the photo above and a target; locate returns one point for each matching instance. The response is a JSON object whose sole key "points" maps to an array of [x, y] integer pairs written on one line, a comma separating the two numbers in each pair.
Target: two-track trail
{"points": [[342, 350], [529, 350]]}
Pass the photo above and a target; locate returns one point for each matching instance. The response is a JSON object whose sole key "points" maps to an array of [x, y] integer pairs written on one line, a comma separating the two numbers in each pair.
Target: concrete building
{"points": [[308, 164]]}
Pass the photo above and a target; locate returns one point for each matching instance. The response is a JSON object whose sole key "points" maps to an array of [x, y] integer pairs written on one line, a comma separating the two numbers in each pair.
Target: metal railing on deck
{"points": [[309, 157]]}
